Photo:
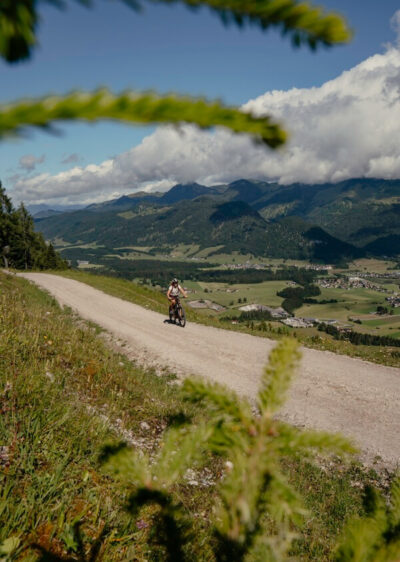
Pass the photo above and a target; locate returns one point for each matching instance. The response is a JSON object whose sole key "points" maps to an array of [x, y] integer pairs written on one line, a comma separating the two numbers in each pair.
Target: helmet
{"points": [[174, 280]]}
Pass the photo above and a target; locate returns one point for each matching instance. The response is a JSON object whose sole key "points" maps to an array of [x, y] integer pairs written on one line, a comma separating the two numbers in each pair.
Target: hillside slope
{"points": [[362, 212], [205, 222], [359, 211], [332, 392]]}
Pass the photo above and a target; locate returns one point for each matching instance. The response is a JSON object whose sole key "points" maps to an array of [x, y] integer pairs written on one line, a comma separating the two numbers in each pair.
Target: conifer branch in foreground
{"points": [[256, 506], [306, 24], [135, 108]]}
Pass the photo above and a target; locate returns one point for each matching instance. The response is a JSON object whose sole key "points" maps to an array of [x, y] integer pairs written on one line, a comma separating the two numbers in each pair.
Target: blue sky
{"points": [[167, 48]]}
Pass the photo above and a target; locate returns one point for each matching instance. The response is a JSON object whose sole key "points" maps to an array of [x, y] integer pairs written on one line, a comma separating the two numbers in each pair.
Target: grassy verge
{"points": [[154, 300], [63, 394]]}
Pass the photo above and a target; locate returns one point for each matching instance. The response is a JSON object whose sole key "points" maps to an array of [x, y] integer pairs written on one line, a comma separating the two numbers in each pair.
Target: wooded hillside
{"points": [[20, 246]]}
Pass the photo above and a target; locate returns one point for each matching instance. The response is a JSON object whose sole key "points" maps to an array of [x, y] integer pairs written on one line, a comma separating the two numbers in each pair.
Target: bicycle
{"points": [[177, 313]]}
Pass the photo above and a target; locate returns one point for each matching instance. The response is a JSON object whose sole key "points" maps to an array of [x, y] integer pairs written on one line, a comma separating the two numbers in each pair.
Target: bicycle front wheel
{"points": [[182, 317]]}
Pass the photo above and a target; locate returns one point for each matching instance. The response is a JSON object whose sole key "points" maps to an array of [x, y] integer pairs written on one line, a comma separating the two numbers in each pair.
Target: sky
{"points": [[341, 106]]}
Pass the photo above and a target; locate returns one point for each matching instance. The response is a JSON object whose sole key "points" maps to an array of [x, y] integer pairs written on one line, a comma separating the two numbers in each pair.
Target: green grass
{"points": [[352, 302], [224, 294], [372, 265], [63, 394]]}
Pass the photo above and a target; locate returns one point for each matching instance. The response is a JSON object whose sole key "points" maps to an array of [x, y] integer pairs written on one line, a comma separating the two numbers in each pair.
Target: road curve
{"points": [[331, 392]]}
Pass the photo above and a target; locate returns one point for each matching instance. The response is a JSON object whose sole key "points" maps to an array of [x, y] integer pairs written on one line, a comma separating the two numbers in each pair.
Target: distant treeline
{"points": [[161, 271], [322, 301], [294, 297], [237, 276], [20, 246], [250, 316], [157, 272], [357, 338]]}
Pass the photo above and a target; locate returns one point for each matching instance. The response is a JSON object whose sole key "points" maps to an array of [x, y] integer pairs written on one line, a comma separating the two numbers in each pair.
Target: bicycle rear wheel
{"points": [[182, 316]]}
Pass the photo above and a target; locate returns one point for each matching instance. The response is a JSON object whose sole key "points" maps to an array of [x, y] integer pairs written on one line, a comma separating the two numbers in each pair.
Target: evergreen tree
{"points": [[22, 251], [6, 227], [20, 245]]}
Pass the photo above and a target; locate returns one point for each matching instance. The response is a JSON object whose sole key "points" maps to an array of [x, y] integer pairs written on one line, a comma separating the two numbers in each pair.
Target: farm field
{"points": [[355, 303], [372, 265], [225, 294]]}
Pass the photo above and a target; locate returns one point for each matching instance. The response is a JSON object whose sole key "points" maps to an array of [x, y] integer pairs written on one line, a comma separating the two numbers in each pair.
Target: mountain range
{"points": [[324, 222]]}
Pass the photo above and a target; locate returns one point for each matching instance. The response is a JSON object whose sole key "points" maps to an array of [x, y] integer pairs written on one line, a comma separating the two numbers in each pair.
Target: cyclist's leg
{"points": [[171, 308]]}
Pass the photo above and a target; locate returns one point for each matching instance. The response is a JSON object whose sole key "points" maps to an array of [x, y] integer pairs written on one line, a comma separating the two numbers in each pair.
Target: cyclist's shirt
{"points": [[174, 291]]}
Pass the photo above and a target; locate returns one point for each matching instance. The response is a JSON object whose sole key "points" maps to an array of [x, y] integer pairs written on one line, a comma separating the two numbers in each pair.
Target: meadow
{"points": [[229, 295]]}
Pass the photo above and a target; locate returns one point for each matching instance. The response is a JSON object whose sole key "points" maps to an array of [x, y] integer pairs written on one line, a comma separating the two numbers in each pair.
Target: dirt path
{"points": [[331, 392]]}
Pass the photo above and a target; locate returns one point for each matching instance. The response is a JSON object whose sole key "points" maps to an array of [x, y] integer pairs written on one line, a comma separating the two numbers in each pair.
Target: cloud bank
{"points": [[348, 127]]}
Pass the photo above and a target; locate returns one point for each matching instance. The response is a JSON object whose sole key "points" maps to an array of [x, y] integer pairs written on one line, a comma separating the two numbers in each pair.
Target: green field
{"points": [[372, 265], [355, 303], [224, 294]]}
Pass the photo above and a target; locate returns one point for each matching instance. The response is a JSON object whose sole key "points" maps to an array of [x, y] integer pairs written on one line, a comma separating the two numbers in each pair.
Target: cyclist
{"points": [[174, 290]]}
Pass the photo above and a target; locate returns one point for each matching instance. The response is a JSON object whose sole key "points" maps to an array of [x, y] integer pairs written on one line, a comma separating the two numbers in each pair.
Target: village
{"points": [[349, 283]]}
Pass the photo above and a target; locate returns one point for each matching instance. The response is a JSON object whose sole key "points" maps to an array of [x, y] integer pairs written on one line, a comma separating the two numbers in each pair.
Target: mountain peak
{"points": [[186, 191]]}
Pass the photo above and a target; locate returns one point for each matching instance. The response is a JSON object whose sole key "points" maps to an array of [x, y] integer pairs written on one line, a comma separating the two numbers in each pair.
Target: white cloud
{"points": [[348, 127], [28, 162]]}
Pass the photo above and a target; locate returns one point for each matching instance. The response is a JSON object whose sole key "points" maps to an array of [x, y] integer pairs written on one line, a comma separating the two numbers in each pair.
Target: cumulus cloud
{"points": [[28, 162], [348, 127]]}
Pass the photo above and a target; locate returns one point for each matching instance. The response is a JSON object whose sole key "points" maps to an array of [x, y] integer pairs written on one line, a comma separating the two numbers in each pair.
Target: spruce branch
{"points": [[256, 507], [305, 23], [181, 448], [277, 376], [221, 400], [135, 108], [308, 442]]}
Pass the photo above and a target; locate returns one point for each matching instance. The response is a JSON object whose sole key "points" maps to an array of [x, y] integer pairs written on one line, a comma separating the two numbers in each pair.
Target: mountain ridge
{"points": [[354, 217]]}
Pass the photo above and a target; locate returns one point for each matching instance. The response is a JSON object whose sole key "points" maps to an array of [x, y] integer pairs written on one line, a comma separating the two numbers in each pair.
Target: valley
{"points": [[245, 243]]}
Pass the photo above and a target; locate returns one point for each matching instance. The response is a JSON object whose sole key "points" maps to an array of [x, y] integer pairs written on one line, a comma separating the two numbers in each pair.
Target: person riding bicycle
{"points": [[174, 290]]}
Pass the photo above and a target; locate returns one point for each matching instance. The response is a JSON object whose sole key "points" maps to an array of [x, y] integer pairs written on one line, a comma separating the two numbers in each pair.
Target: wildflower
{"points": [[50, 376]]}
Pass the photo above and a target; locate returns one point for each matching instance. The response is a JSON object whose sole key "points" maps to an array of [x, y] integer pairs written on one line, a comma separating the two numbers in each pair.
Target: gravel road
{"points": [[331, 392]]}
